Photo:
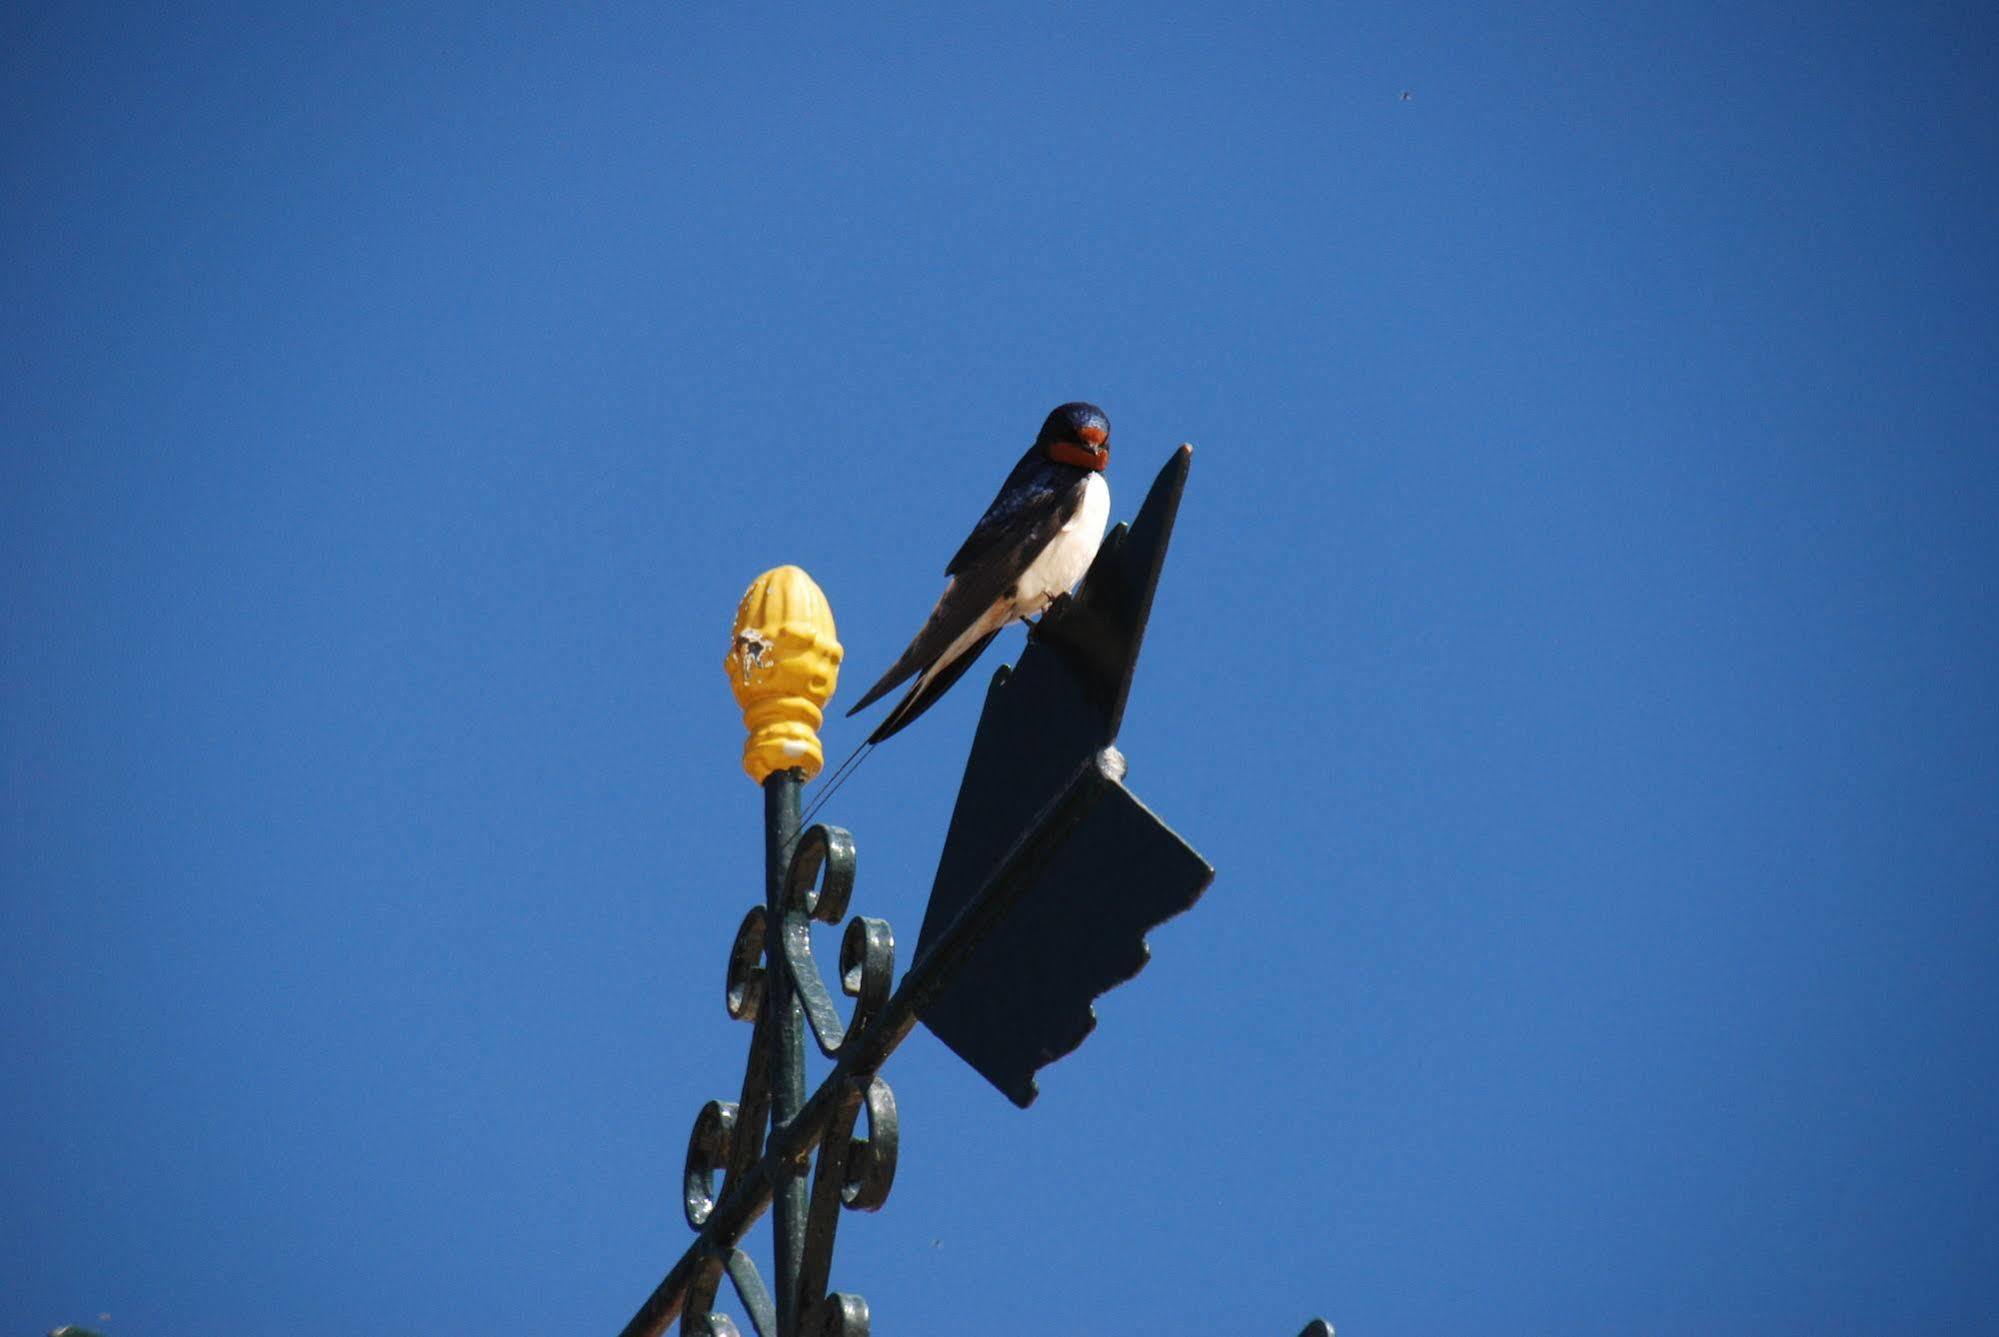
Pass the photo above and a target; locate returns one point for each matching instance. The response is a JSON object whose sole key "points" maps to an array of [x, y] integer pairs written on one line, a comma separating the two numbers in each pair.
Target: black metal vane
{"points": [[1025, 998]]}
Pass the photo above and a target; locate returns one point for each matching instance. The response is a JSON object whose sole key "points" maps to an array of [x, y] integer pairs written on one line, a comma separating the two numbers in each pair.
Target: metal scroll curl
{"points": [[817, 887], [708, 1150], [711, 1147], [744, 995], [854, 1174]]}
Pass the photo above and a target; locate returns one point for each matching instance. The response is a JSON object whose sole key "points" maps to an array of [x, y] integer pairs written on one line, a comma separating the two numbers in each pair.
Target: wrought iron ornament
{"points": [[1051, 875], [852, 1172]]}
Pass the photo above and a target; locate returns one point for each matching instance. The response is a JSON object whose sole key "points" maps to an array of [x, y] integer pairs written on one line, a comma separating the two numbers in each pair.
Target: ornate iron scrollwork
{"points": [[855, 1174], [817, 887], [854, 1170]]}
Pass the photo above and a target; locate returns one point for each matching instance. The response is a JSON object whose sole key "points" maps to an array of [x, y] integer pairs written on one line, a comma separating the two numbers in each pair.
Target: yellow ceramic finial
{"points": [[783, 663]]}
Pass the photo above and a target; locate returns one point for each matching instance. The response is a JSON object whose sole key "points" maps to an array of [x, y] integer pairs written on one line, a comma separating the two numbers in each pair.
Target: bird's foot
{"points": [[1052, 610]]}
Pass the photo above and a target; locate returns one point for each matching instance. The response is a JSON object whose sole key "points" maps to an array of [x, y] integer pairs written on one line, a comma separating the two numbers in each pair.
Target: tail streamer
{"points": [[839, 777]]}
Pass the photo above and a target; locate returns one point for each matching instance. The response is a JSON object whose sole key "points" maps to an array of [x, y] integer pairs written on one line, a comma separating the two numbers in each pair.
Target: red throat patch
{"points": [[1064, 452]]}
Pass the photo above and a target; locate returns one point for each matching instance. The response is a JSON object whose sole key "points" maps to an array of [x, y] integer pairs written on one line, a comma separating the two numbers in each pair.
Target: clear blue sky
{"points": [[1579, 654]]}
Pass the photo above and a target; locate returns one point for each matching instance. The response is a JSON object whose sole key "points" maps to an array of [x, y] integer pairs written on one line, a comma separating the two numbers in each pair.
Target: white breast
{"points": [[1068, 555]]}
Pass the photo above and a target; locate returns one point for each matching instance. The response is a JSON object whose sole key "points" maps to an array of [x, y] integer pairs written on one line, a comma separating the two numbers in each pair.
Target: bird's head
{"points": [[1077, 434]]}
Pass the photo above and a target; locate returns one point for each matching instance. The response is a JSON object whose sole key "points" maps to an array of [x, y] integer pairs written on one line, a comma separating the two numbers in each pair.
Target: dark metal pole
{"points": [[787, 1058]]}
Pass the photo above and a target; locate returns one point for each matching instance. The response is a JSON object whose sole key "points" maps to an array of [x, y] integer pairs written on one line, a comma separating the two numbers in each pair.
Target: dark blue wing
{"points": [[1035, 490]]}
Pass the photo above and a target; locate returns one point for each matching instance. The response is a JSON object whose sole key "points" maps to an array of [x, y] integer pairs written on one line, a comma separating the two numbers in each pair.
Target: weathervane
{"points": [[1052, 873]]}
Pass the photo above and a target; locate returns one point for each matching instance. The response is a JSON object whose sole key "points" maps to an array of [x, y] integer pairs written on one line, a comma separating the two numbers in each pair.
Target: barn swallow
{"points": [[1035, 541]]}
